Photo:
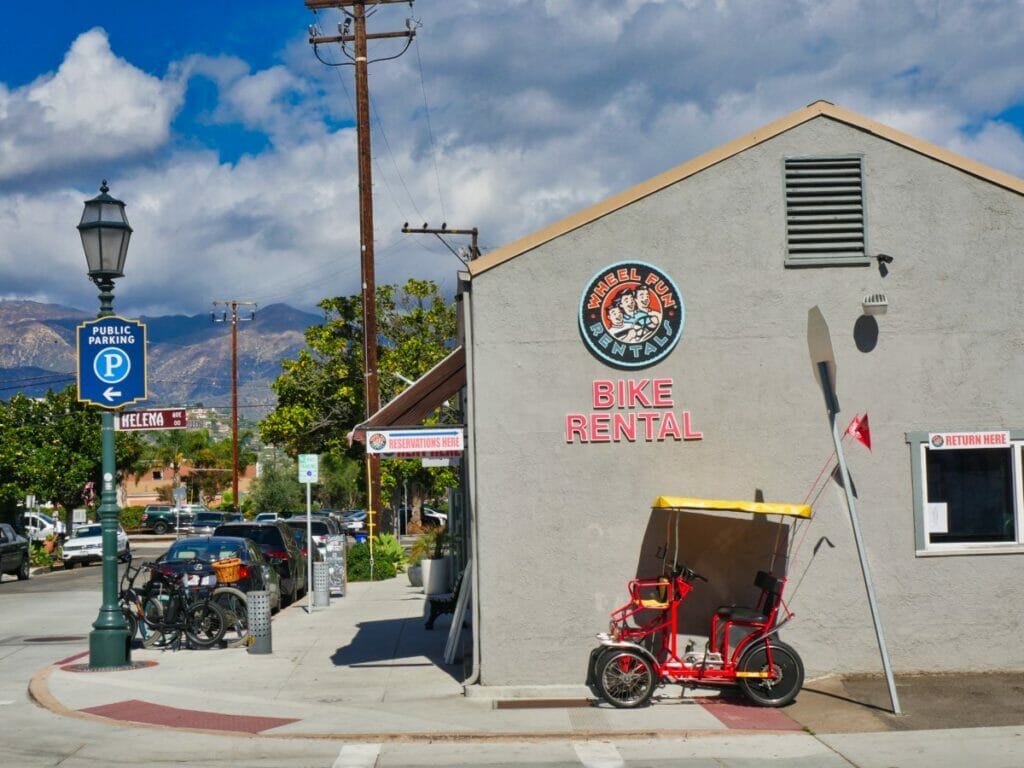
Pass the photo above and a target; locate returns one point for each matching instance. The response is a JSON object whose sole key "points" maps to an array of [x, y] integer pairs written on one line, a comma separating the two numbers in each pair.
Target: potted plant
{"points": [[430, 551], [415, 570]]}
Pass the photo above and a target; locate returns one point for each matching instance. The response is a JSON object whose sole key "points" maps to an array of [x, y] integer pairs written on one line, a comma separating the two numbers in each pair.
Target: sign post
{"points": [[309, 471], [819, 344]]}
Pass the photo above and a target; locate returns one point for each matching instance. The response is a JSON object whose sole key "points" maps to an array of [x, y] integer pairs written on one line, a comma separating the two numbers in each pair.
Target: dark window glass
{"points": [[976, 485]]}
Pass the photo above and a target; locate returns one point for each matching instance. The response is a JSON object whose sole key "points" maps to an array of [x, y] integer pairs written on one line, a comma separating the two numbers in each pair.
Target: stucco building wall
{"points": [[561, 527]]}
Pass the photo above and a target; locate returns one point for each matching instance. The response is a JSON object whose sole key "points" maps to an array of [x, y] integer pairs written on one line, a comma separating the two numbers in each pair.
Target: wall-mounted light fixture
{"points": [[875, 304]]}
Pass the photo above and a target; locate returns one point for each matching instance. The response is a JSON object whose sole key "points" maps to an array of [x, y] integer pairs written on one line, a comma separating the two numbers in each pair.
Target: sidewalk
{"points": [[365, 668]]}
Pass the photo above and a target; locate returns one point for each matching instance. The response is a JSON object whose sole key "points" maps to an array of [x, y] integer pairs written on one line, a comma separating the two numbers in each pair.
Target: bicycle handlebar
{"points": [[687, 573]]}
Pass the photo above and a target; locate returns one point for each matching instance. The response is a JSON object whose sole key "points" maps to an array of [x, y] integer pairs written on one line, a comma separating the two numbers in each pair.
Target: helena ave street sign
{"points": [[111, 362], [163, 418]]}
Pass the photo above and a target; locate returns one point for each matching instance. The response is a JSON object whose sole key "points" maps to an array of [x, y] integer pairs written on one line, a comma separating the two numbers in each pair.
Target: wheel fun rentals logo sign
{"points": [[631, 315]]}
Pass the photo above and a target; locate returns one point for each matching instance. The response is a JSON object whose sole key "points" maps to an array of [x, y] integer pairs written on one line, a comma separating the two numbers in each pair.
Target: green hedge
{"points": [[131, 517], [357, 565]]}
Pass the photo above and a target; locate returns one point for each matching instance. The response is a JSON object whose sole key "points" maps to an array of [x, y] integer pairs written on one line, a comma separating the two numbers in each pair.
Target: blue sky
{"points": [[234, 147]]}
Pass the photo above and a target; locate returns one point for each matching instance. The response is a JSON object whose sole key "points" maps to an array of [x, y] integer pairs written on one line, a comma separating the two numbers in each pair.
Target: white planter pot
{"points": [[435, 576], [415, 575]]}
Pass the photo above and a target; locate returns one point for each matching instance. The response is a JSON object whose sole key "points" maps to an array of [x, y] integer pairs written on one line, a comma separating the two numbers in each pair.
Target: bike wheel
{"points": [[149, 627], [625, 678], [236, 610], [130, 622], [787, 669], [205, 624]]}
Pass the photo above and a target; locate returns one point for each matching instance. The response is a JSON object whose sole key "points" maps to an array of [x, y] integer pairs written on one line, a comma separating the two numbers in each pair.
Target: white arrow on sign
{"points": [[111, 394]]}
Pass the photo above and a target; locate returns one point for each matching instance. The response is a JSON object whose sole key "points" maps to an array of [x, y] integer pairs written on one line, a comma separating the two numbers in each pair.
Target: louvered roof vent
{"points": [[825, 211]]}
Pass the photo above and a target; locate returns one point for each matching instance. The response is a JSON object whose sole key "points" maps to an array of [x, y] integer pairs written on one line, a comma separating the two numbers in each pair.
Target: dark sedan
{"points": [[14, 554], [322, 527], [254, 573], [277, 545], [205, 523]]}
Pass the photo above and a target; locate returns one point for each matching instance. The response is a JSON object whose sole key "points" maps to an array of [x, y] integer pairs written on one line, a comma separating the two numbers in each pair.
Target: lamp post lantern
{"points": [[105, 234]]}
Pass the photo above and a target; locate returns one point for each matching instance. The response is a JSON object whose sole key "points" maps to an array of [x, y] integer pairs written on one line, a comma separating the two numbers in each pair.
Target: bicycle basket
{"points": [[227, 570]]}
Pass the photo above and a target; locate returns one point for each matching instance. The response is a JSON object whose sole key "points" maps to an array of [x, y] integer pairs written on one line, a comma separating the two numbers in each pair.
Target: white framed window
{"points": [[968, 496]]}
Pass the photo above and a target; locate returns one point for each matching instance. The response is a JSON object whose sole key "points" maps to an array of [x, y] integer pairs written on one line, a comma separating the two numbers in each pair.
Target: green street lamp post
{"points": [[105, 234]]}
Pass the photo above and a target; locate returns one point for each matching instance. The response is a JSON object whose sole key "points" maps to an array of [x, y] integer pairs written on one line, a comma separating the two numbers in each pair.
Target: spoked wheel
{"points": [[625, 678], [131, 623], [149, 627], [236, 611], [205, 624], [785, 681]]}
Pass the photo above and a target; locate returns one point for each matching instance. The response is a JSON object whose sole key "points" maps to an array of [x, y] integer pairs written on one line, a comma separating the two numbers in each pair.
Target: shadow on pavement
{"points": [[928, 701], [396, 643]]}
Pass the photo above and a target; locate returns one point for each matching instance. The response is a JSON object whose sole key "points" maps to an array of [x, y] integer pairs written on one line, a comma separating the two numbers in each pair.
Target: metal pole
{"points": [[234, 406], [109, 641], [309, 549], [366, 245], [830, 402]]}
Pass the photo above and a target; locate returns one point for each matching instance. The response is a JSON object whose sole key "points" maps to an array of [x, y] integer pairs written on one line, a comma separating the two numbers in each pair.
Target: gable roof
{"points": [[724, 152]]}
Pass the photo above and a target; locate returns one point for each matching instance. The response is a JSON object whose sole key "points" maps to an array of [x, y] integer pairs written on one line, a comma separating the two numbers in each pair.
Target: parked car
{"points": [[14, 556], [299, 534], [428, 515], [86, 545], [322, 529], [255, 573], [39, 526], [161, 518], [266, 517], [353, 520], [277, 544], [205, 523]]}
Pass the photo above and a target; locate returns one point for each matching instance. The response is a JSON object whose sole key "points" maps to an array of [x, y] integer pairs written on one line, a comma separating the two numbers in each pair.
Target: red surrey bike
{"points": [[640, 650]]}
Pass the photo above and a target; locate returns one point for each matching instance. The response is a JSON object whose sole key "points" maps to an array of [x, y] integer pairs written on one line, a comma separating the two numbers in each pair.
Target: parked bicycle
{"points": [[184, 611], [141, 612]]}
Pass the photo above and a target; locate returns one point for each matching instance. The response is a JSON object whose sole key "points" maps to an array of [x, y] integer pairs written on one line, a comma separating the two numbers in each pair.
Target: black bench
{"points": [[444, 602]]}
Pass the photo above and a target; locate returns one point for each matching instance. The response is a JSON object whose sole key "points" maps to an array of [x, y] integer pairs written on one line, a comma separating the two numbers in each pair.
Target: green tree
{"points": [[51, 447], [321, 396], [277, 489]]}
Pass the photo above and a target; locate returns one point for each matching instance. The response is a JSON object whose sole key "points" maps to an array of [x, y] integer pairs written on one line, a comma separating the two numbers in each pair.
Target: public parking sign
{"points": [[111, 361]]}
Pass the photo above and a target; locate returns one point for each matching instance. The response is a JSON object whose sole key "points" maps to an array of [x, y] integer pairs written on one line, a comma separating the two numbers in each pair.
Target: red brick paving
{"points": [[749, 717], [137, 711]]}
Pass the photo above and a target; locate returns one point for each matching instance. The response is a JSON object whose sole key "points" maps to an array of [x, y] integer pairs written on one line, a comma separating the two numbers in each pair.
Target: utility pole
{"points": [[234, 304], [474, 251], [355, 20]]}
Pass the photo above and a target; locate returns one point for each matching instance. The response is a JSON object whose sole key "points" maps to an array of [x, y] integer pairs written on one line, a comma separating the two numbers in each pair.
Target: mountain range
{"points": [[188, 359]]}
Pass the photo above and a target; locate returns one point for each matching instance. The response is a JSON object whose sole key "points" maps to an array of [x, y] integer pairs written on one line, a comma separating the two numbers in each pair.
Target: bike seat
{"points": [[770, 587]]}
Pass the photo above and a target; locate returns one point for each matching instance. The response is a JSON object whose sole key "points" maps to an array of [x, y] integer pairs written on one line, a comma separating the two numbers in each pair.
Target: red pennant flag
{"points": [[861, 430]]}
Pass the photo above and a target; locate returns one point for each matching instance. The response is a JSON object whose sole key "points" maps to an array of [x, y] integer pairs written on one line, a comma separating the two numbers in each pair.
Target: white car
{"points": [[86, 545], [39, 525]]}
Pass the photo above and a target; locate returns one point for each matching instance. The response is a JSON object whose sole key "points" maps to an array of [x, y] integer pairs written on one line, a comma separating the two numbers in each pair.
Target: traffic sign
{"points": [[111, 361], [308, 468], [165, 418]]}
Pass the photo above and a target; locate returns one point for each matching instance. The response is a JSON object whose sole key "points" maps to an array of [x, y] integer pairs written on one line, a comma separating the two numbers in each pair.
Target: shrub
{"points": [[387, 547], [38, 556], [131, 517], [357, 565]]}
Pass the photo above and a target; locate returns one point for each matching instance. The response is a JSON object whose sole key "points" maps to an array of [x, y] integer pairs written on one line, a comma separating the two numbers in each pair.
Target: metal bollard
{"points": [[259, 621], [321, 593]]}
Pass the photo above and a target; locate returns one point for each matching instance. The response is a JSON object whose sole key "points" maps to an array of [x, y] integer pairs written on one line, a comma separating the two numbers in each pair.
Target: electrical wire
{"points": [[430, 132]]}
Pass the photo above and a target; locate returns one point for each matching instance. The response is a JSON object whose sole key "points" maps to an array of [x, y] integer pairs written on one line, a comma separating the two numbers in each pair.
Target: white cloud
{"points": [[96, 107], [537, 108]]}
